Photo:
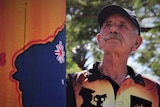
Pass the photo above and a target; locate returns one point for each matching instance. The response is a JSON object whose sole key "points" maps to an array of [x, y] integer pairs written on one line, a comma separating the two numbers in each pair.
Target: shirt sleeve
{"points": [[70, 96], [158, 88]]}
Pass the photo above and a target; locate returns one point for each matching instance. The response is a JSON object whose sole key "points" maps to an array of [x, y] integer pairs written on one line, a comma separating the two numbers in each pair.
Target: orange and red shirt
{"points": [[90, 88]]}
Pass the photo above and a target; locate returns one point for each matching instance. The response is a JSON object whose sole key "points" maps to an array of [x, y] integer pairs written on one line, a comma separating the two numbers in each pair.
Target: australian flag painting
{"points": [[32, 53], [41, 73]]}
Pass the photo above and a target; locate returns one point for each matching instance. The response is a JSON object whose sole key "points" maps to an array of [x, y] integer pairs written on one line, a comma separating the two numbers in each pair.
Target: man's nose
{"points": [[114, 29]]}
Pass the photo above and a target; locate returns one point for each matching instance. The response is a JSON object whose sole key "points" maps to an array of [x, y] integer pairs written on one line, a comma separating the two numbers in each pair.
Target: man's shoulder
{"points": [[149, 80], [152, 83], [84, 74], [78, 76]]}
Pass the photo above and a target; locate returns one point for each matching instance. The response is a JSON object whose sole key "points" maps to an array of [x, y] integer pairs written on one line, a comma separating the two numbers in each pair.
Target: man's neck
{"points": [[114, 67]]}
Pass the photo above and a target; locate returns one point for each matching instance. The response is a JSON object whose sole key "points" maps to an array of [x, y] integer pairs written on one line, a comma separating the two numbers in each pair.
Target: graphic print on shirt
{"points": [[87, 98], [139, 102]]}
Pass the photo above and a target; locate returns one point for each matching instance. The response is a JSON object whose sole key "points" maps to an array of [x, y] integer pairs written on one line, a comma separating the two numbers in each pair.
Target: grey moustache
{"points": [[112, 36]]}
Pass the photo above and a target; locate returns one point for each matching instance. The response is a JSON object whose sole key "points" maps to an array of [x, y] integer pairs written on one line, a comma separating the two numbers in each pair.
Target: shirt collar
{"points": [[136, 77], [95, 74]]}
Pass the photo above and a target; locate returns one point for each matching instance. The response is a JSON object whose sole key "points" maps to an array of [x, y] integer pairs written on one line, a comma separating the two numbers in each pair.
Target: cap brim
{"points": [[109, 10]]}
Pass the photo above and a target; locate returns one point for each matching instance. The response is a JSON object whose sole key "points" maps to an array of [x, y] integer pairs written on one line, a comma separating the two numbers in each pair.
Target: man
{"points": [[112, 83]]}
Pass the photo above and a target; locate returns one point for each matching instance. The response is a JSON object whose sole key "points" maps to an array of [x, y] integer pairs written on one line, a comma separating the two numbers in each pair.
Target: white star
{"points": [[60, 52]]}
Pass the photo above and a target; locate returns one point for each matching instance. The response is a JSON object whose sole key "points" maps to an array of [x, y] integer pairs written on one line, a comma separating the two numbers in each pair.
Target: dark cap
{"points": [[114, 9]]}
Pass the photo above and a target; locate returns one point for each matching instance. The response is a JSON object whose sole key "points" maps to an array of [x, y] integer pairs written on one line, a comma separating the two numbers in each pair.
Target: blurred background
{"points": [[82, 27]]}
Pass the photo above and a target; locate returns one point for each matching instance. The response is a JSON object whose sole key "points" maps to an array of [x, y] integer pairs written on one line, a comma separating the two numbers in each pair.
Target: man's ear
{"points": [[137, 43], [98, 36]]}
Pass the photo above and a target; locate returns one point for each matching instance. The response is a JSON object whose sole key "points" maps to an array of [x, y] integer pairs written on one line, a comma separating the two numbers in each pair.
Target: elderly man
{"points": [[112, 83]]}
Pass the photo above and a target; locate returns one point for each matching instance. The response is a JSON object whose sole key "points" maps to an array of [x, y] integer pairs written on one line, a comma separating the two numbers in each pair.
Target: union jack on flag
{"points": [[60, 52]]}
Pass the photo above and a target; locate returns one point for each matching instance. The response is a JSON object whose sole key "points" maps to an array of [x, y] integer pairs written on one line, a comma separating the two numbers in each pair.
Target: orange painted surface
{"points": [[22, 24]]}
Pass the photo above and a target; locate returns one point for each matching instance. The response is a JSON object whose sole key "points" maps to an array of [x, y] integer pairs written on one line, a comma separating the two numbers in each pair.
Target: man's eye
{"points": [[108, 24], [123, 26]]}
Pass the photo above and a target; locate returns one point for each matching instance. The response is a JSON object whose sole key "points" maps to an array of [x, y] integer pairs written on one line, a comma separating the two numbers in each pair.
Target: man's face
{"points": [[118, 34]]}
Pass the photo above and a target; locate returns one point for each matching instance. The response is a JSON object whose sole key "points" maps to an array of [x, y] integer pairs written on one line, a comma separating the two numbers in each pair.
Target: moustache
{"points": [[113, 36]]}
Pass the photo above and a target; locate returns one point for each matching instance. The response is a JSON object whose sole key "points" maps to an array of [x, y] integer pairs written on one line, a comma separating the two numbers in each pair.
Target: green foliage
{"points": [[82, 27]]}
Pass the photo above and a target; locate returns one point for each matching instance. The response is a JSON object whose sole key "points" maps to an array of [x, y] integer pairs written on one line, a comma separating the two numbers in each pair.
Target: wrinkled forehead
{"points": [[120, 18]]}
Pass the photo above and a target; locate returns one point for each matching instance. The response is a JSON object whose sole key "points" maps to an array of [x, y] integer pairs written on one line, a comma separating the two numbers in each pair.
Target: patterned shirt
{"points": [[90, 88]]}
